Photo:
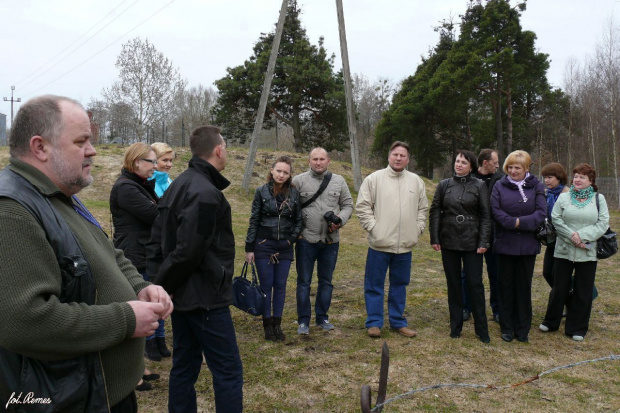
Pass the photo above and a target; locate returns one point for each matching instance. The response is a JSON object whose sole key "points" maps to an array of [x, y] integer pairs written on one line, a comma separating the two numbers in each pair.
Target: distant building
{"points": [[3, 141]]}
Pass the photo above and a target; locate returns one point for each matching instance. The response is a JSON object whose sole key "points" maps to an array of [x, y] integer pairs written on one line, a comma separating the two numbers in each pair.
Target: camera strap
{"points": [[326, 179]]}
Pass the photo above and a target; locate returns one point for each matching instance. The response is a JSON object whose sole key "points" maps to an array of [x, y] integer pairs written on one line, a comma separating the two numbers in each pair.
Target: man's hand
{"points": [[147, 316], [436, 247], [333, 227], [156, 294]]}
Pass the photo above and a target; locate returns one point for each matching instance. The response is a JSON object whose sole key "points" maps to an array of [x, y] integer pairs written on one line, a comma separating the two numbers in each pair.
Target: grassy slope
{"points": [[325, 371]]}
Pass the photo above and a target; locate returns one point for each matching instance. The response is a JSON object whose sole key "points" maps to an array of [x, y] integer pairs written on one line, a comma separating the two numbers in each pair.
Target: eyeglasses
{"points": [[153, 161]]}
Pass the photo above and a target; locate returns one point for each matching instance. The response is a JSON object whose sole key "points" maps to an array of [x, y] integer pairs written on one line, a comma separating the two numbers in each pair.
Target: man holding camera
{"points": [[326, 206]]}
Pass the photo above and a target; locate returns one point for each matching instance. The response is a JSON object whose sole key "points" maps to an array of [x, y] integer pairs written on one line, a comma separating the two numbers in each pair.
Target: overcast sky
{"points": [[69, 47]]}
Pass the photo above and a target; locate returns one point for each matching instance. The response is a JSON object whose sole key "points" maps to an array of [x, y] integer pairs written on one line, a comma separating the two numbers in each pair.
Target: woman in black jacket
{"points": [[133, 204], [460, 227], [275, 224]]}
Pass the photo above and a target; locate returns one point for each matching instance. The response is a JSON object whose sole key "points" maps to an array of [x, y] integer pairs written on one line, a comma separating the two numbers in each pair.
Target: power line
{"points": [[102, 50], [74, 42]]}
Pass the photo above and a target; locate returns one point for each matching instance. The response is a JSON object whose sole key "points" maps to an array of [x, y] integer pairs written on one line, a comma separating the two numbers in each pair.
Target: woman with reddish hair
{"points": [[579, 222]]}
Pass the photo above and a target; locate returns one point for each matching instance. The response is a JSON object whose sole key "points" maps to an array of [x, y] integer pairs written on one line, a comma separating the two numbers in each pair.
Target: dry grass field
{"points": [[324, 372]]}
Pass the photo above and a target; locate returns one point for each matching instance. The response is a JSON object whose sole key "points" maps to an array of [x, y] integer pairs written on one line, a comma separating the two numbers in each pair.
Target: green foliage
{"points": [[481, 90], [305, 94]]}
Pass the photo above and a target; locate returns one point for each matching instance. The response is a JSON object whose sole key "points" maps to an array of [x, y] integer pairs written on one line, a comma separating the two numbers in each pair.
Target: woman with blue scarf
{"points": [[161, 175], [555, 179], [579, 222]]}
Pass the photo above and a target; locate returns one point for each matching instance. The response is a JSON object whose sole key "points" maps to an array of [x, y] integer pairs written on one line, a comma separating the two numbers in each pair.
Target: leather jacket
{"points": [[270, 222], [460, 216]]}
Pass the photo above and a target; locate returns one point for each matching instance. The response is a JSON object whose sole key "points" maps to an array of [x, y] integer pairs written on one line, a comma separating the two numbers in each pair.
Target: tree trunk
{"points": [[499, 136], [508, 120], [297, 142]]}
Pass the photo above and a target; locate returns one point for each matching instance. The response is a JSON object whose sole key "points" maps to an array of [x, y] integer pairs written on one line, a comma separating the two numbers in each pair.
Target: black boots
{"points": [[161, 346], [152, 350], [277, 329], [268, 327]]}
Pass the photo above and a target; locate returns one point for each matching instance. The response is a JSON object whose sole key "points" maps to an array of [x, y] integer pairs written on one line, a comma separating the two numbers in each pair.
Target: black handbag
{"points": [[248, 296], [607, 245], [545, 233]]}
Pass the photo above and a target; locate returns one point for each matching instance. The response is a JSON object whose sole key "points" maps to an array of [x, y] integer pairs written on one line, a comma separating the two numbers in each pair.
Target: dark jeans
{"points": [[272, 278], [491, 259], [210, 333], [472, 265], [578, 317], [128, 405], [515, 293], [325, 255], [377, 264]]}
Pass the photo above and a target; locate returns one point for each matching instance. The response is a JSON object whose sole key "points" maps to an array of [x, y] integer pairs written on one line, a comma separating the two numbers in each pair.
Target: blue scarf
{"points": [[552, 196]]}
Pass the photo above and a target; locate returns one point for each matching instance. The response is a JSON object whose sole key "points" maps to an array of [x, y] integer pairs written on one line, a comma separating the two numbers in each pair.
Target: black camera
{"points": [[332, 218]]}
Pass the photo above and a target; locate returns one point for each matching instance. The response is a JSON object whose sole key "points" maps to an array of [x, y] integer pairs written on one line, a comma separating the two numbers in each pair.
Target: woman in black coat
{"points": [[275, 224], [460, 227], [133, 204]]}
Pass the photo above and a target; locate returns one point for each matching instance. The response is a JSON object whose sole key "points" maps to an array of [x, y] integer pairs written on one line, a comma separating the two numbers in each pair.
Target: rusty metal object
{"points": [[383, 380]]}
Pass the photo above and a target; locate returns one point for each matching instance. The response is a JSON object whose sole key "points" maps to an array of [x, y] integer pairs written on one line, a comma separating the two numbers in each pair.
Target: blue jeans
{"points": [[159, 332], [211, 333], [325, 255], [272, 278], [377, 264]]}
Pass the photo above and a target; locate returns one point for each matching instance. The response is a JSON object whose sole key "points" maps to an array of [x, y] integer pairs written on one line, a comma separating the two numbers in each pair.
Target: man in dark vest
{"points": [[73, 310]]}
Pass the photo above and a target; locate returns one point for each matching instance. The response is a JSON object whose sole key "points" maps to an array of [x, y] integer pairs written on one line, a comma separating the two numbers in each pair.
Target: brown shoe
{"points": [[407, 332], [374, 332]]}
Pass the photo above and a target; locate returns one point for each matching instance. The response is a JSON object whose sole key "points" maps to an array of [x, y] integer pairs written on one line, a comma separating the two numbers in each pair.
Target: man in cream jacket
{"points": [[391, 207]]}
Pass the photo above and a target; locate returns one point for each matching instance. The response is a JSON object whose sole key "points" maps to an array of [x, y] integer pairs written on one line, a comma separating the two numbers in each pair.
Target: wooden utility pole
{"points": [[258, 125], [344, 53], [12, 100]]}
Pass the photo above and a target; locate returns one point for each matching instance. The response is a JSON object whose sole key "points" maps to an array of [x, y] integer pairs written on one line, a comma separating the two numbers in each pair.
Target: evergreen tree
{"points": [[306, 94]]}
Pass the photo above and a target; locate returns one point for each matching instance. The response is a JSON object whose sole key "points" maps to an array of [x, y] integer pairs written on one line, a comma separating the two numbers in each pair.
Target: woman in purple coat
{"points": [[518, 206]]}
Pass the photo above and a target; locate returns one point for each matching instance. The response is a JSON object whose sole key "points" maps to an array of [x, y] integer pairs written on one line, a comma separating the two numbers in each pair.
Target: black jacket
{"points": [[192, 248], [133, 204], [269, 222], [460, 216]]}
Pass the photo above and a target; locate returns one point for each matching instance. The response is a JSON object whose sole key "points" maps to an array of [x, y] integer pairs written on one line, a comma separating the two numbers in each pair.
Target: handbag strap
{"points": [[324, 183], [244, 272]]}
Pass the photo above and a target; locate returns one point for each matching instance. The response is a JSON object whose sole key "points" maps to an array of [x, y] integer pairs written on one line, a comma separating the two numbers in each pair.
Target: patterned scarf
{"points": [[519, 185], [552, 196], [586, 195]]}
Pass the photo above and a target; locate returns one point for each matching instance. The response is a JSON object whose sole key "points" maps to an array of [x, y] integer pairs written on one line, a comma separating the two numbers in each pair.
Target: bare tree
{"points": [[147, 82]]}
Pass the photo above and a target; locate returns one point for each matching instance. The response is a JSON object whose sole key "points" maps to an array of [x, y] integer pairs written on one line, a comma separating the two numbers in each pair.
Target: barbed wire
{"points": [[491, 386]]}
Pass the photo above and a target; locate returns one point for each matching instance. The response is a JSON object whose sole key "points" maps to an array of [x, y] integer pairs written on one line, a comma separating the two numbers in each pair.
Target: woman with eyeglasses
{"points": [[275, 224], [133, 204]]}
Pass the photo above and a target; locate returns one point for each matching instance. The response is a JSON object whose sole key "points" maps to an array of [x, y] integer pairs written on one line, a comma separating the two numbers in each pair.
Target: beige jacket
{"points": [[392, 207]]}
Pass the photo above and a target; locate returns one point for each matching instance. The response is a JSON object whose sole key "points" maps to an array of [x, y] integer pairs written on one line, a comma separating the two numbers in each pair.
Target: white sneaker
{"points": [[578, 338], [303, 329], [543, 328]]}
